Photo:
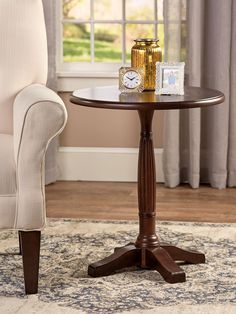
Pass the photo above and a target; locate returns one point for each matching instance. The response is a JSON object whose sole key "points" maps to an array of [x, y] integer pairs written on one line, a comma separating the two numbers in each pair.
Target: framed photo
{"points": [[170, 78]]}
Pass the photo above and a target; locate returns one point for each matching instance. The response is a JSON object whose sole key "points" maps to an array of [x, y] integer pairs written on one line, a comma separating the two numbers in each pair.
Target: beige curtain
{"points": [[51, 173], [200, 145]]}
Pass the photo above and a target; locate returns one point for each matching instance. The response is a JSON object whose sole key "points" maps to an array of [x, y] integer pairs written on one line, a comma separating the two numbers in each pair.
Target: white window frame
{"points": [[96, 69]]}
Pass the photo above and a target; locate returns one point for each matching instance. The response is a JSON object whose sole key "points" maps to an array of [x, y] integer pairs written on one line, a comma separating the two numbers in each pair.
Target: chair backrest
{"points": [[23, 52]]}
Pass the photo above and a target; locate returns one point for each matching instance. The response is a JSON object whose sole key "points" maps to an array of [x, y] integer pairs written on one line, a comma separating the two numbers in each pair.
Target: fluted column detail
{"points": [[146, 183]]}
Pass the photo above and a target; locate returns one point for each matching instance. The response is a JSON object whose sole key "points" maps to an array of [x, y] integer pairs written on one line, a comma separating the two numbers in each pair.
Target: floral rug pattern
{"points": [[68, 246]]}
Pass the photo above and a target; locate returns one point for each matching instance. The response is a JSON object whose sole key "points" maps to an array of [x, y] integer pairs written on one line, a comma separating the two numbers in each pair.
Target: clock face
{"points": [[131, 79]]}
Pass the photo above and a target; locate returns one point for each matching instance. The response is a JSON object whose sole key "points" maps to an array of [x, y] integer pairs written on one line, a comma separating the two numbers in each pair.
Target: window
{"points": [[98, 34]]}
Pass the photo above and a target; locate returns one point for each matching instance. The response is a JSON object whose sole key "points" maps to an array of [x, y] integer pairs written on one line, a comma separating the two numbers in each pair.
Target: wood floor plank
{"points": [[115, 200]]}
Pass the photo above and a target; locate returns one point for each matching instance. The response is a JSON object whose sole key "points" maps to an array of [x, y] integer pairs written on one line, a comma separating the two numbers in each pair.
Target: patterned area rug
{"points": [[68, 246]]}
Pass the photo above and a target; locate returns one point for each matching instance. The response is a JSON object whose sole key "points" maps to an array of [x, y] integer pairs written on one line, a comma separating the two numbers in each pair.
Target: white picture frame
{"points": [[170, 78]]}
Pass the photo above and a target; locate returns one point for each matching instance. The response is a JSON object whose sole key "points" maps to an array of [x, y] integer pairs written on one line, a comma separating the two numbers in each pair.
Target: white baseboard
{"points": [[103, 164]]}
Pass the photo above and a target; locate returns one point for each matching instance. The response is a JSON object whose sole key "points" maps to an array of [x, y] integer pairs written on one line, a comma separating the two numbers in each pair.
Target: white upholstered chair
{"points": [[31, 115]]}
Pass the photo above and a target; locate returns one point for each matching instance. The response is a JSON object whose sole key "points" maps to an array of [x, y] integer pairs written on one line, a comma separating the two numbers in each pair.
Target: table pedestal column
{"points": [[147, 252], [146, 184]]}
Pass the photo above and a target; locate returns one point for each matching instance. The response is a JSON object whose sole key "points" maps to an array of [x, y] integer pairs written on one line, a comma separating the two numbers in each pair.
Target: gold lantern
{"points": [[145, 53]]}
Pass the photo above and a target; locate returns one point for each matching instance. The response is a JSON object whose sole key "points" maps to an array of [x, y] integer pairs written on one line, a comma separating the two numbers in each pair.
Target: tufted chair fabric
{"points": [[31, 115]]}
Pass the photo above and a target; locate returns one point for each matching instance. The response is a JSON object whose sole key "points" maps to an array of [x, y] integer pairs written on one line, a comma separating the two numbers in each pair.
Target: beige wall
{"points": [[88, 127]]}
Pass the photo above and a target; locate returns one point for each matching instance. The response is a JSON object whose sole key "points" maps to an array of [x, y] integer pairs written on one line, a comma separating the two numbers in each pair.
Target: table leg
{"points": [[147, 252], [126, 256]]}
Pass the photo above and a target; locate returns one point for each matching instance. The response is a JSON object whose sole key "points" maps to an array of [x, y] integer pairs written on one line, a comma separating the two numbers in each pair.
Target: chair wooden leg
{"points": [[20, 250], [30, 247]]}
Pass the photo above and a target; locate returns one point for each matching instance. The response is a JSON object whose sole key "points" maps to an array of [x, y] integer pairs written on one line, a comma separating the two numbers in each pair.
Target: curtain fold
{"points": [[51, 169], [199, 144], [232, 101], [50, 20], [172, 49]]}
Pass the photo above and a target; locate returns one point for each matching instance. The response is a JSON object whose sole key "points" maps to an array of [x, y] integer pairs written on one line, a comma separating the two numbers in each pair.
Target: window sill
{"points": [[70, 81], [67, 74]]}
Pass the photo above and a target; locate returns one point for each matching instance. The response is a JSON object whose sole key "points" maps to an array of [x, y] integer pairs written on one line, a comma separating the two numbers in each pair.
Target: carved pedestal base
{"points": [[147, 252], [161, 258]]}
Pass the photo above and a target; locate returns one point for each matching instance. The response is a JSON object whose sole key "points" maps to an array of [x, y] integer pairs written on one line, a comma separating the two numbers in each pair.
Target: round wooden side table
{"points": [[147, 252]]}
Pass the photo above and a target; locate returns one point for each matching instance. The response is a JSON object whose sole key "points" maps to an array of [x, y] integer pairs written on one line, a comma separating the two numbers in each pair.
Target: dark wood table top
{"points": [[109, 97]]}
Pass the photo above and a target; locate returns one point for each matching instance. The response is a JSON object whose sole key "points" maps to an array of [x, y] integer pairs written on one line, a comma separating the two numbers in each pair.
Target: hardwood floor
{"points": [[112, 200]]}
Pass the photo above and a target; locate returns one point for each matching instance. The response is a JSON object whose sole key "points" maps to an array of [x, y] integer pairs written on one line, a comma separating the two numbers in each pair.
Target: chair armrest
{"points": [[38, 116]]}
